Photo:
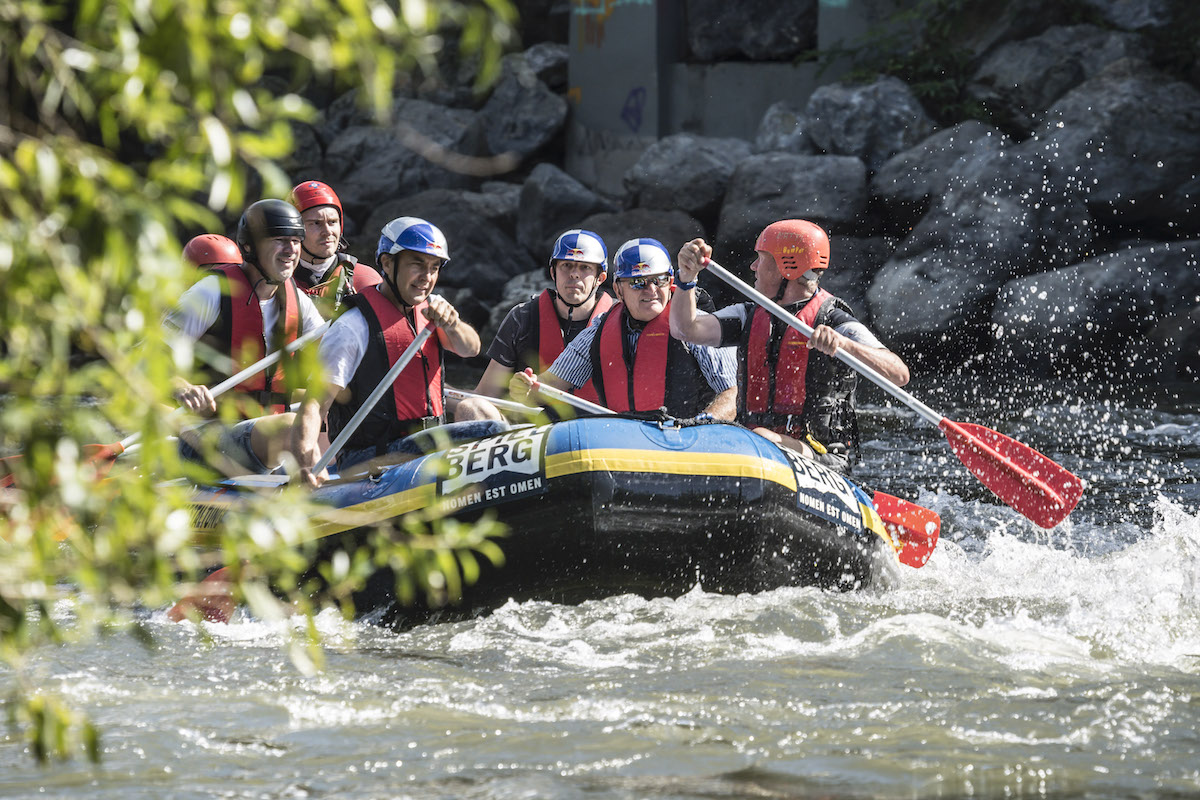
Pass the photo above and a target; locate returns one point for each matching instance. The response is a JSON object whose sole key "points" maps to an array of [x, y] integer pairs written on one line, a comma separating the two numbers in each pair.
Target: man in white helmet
{"points": [[630, 356], [790, 390], [535, 332], [364, 342]]}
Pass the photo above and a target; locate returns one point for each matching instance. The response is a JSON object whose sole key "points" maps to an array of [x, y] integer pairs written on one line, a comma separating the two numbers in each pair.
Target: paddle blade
{"points": [[915, 527], [1027, 481], [211, 599]]}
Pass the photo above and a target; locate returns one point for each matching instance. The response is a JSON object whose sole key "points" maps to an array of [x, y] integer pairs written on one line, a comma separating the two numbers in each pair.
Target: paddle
{"points": [[503, 405], [109, 452], [1027, 481], [915, 527]]}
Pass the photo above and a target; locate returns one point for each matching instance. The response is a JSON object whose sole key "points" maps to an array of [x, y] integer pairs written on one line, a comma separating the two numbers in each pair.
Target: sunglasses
{"points": [[637, 284]]}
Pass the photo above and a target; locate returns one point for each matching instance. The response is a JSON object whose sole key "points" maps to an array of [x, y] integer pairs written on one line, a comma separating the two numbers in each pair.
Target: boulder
{"points": [[1128, 140], [685, 172], [907, 182], [1132, 15], [551, 202], [1084, 317], [853, 262], [1001, 218], [1020, 80], [369, 164], [783, 129], [873, 121], [522, 114], [758, 30], [828, 190]]}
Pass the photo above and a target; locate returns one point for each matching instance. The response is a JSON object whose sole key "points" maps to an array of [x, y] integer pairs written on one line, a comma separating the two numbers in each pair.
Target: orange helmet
{"points": [[797, 246], [311, 194], [210, 248]]}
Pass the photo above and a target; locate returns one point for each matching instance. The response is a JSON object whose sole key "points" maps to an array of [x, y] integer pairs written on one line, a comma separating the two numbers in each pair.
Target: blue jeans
{"points": [[231, 442], [429, 440]]}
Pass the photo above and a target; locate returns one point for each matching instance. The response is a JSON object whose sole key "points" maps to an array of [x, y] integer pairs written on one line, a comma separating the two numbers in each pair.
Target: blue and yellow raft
{"points": [[600, 506]]}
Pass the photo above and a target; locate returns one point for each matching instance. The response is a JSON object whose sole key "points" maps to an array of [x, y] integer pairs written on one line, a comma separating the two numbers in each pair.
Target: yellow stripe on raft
{"points": [[724, 465]]}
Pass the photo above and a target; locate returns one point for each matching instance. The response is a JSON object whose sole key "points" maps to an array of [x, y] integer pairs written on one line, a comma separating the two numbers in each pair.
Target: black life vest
{"points": [[790, 389], [415, 401], [238, 332], [661, 372], [547, 332]]}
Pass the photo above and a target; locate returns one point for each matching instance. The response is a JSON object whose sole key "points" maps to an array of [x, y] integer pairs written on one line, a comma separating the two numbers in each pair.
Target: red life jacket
{"points": [[239, 332], [550, 337], [642, 385], [418, 391], [790, 368]]}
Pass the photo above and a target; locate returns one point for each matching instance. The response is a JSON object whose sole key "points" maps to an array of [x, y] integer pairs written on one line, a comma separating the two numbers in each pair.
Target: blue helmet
{"points": [[580, 245], [640, 257], [412, 233]]}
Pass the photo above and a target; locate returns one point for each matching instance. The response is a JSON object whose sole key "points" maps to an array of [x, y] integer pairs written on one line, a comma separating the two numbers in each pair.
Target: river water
{"points": [[1017, 663]]}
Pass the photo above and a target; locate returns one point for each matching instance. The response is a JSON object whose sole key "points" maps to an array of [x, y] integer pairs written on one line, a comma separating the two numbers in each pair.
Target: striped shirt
{"points": [[574, 365]]}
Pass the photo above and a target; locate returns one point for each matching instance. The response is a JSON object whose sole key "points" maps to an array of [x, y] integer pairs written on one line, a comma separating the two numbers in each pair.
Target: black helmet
{"points": [[264, 220]]}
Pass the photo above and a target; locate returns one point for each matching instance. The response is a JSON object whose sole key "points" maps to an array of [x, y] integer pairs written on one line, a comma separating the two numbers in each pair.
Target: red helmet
{"points": [[311, 194], [797, 246], [210, 248]]}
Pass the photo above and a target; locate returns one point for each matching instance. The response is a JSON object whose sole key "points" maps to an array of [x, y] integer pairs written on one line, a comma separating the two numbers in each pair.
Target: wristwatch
{"points": [[686, 286]]}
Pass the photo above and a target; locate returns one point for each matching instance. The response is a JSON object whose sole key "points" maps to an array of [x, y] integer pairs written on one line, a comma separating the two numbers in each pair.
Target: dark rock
{"points": [[1130, 139], [1077, 319], [908, 181], [1132, 15], [549, 63], [551, 202], [783, 129], [685, 172], [828, 190], [522, 114], [369, 164], [1020, 80], [853, 263], [758, 30], [873, 121]]}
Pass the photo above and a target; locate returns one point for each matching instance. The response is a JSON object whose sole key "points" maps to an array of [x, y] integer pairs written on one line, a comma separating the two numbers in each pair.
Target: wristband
{"points": [[686, 286]]}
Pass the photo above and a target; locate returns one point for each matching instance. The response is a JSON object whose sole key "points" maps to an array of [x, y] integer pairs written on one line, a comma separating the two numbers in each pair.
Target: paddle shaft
{"points": [[570, 399], [503, 405], [258, 366], [850, 360], [384, 385]]}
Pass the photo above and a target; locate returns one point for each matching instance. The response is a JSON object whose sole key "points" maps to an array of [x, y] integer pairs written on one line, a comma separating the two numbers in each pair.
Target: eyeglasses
{"points": [[637, 284]]}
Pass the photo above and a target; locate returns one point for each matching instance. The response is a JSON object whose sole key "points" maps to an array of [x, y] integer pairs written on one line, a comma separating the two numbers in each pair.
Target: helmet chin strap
{"points": [[390, 279], [572, 306]]}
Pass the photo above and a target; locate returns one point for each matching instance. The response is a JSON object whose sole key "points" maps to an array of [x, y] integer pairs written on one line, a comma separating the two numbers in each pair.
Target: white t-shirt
{"points": [[200, 305]]}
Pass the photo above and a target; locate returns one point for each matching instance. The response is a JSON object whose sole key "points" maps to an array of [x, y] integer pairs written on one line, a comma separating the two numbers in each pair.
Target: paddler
{"points": [[365, 341], [791, 390], [631, 358], [327, 273], [535, 332], [246, 307]]}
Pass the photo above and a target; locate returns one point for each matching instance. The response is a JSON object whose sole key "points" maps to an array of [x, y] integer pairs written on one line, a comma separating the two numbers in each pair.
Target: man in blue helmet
{"points": [[535, 332], [364, 342], [246, 307], [630, 356]]}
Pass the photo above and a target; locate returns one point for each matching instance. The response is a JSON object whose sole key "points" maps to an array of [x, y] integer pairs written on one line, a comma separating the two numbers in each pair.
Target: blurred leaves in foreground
{"points": [[124, 128]]}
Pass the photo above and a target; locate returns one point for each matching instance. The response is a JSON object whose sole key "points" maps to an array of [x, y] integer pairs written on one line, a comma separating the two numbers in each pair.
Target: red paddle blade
{"points": [[102, 455], [212, 599], [1023, 478], [915, 527]]}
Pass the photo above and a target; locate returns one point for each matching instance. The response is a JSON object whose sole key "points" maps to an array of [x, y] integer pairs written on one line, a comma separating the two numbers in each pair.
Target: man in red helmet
{"points": [[786, 392], [326, 271], [247, 306]]}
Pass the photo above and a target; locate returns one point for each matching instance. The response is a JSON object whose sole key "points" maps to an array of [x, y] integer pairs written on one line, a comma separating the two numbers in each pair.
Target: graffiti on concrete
{"points": [[631, 112]]}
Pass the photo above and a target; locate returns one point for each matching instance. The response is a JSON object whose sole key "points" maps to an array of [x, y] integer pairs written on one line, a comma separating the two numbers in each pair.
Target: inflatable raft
{"points": [[601, 506]]}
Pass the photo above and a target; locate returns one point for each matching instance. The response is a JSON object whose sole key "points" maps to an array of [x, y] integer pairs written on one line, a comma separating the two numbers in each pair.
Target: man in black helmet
{"points": [[232, 318]]}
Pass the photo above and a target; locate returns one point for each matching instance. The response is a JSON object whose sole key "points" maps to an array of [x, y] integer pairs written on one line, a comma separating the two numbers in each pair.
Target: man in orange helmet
{"points": [[326, 272], [787, 393]]}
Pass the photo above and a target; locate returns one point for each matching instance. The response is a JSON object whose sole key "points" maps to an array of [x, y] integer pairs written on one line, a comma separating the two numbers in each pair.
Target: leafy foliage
{"points": [[125, 125]]}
